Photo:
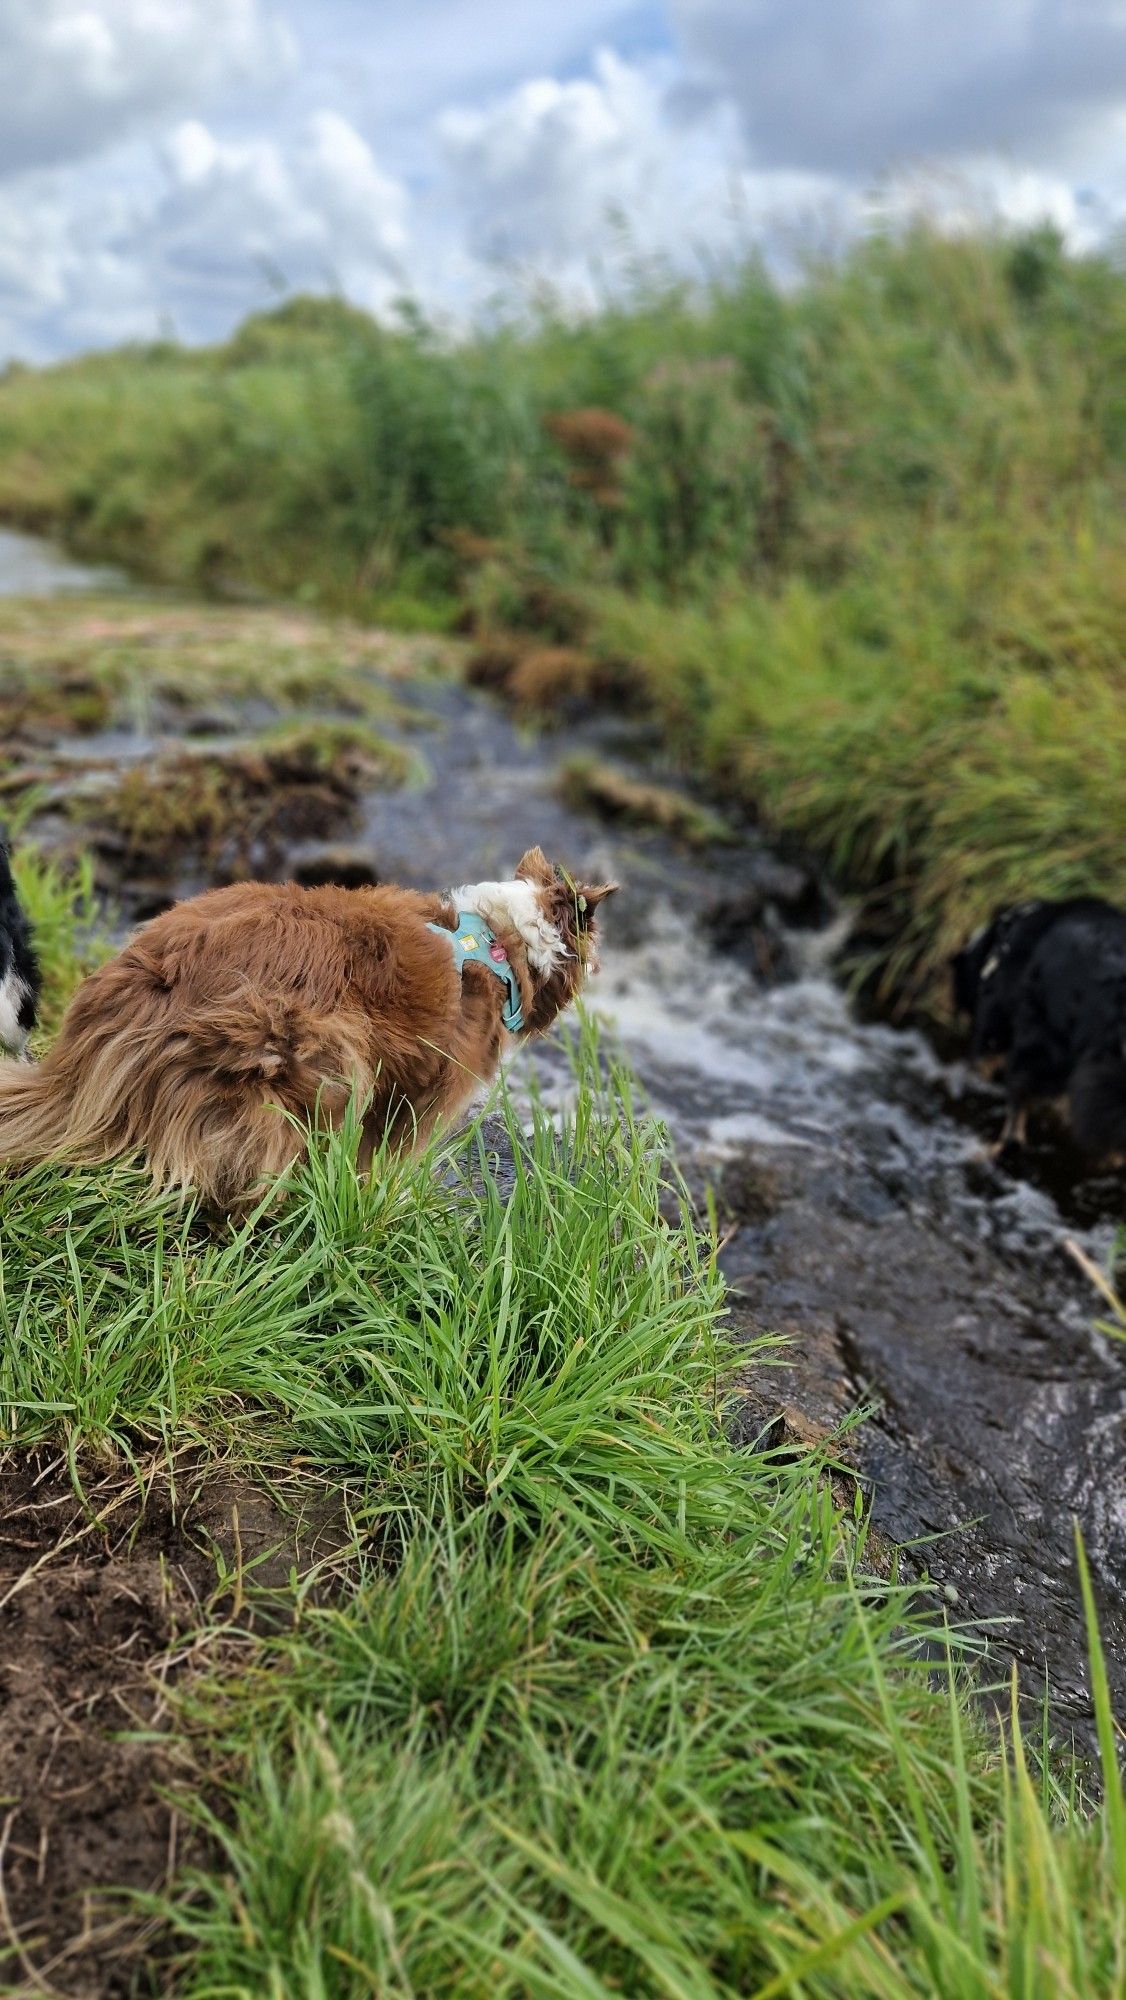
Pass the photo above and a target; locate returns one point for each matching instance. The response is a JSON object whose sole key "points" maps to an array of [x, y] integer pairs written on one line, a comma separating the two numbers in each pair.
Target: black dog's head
{"points": [[984, 973]]}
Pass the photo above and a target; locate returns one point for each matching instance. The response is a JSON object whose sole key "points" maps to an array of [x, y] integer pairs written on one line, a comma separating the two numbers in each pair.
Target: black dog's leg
{"points": [[1037, 1069], [1097, 1103], [1014, 1131]]}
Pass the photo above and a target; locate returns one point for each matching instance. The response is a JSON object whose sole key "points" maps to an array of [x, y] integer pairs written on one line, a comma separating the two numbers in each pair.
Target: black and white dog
{"points": [[1045, 987], [19, 971]]}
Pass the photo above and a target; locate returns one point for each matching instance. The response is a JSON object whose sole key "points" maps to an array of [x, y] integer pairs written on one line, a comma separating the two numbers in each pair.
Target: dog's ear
{"points": [[580, 904], [534, 866], [588, 895]]}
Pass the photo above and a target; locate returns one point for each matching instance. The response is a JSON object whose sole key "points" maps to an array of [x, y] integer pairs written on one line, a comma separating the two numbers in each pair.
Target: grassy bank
{"points": [[588, 1702], [861, 545]]}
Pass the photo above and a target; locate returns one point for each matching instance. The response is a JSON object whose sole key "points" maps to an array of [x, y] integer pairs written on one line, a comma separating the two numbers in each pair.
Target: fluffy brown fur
{"points": [[246, 1004]]}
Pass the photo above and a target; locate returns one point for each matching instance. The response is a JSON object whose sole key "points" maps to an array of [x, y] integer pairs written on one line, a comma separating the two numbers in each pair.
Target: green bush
{"points": [[696, 478]]}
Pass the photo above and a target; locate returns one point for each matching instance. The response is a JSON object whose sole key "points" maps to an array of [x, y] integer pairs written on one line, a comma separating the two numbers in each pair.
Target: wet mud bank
{"points": [[860, 1220], [107, 1604]]}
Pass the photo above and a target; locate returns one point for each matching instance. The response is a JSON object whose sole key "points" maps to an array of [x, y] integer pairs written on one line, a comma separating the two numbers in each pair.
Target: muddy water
{"points": [[860, 1219]]}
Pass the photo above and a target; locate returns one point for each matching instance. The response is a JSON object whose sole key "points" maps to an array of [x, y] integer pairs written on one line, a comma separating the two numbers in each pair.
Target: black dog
{"points": [[19, 971], [1045, 986]]}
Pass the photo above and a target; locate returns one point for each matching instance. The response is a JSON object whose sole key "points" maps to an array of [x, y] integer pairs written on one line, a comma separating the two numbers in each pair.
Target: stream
{"points": [[860, 1218]]}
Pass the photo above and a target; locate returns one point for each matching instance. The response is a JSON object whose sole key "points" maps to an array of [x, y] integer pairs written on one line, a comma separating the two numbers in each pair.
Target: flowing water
{"points": [[33, 568], [860, 1216]]}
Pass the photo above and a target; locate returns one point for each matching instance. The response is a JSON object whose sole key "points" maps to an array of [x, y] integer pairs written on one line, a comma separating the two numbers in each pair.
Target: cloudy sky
{"points": [[169, 165]]}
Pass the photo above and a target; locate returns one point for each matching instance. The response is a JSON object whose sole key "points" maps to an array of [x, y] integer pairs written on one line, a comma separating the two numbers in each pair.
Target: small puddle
{"points": [[859, 1216]]}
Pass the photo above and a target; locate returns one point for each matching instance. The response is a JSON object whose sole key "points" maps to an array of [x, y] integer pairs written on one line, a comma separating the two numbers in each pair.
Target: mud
{"points": [[104, 1605]]}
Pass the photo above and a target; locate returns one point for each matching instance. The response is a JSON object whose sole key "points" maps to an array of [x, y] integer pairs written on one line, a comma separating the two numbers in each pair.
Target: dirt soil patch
{"points": [[104, 1607]]}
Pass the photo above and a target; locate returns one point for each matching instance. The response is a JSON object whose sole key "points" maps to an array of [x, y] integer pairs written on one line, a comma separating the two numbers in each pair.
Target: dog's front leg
{"points": [[1014, 1132]]}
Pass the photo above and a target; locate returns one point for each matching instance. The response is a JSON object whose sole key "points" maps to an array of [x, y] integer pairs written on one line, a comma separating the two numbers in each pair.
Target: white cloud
{"points": [[64, 270], [559, 174], [852, 88], [539, 171], [575, 180], [241, 215], [220, 231], [988, 193], [78, 74], [171, 160]]}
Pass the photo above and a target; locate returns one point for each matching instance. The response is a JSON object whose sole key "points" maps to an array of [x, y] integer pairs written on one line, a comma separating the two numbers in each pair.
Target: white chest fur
{"points": [[517, 904], [13, 993]]}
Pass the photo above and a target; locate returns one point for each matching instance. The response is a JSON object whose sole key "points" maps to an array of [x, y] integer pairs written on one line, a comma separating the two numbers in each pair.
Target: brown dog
{"points": [[242, 1005]]}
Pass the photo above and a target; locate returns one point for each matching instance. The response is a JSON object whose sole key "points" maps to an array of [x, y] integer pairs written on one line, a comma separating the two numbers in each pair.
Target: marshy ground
{"points": [[177, 745]]}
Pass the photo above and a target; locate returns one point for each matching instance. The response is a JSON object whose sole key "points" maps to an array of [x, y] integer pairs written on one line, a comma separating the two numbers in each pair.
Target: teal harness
{"points": [[475, 944]]}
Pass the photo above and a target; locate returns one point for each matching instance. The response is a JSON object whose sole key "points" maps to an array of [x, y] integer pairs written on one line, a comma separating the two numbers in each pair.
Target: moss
{"points": [[589, 784]]}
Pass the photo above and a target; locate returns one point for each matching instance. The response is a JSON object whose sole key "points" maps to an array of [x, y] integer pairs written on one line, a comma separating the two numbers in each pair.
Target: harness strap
{"points": [[474, 943]]}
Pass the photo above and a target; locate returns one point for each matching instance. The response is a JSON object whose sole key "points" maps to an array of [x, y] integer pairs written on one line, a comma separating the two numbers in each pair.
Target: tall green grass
{"points": [[864, 550], [918, 383]]}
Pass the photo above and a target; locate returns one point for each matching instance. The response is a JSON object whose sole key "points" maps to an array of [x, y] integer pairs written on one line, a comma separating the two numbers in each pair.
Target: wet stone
{"points": [[795, 891], [145, 900], [212, 722], [483, 1160], [744, 926], [348, 867]]}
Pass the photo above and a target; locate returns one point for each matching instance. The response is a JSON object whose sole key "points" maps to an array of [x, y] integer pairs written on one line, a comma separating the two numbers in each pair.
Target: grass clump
{"points": [[587, 781], [545, 683], [43, 710], [943, 776], [67, 920], [238, 807], [603, 1705]]}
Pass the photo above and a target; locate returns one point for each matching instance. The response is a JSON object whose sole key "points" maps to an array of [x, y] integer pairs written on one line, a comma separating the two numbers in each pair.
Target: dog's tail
{"points": [[34, 1117], [1097, 1102], [202, 1100], [46, 1112], [79, 1102]]}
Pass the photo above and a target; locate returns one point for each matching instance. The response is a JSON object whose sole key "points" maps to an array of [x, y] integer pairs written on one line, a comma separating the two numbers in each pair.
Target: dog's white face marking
{"points": [[13, 993], [990, 966], [516, 904]]}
